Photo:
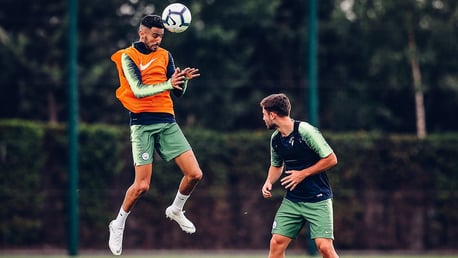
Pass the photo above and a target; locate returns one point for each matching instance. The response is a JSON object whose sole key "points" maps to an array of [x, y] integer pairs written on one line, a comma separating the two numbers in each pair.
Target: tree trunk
{"points": [[417, 84]]}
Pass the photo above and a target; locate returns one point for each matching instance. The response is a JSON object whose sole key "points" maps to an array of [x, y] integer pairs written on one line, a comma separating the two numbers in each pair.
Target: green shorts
{"points": [[166, 138], [292, 216]]}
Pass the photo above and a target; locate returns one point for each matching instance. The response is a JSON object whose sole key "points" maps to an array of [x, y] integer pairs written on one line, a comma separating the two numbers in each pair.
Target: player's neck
{"points": [[285, 126]]}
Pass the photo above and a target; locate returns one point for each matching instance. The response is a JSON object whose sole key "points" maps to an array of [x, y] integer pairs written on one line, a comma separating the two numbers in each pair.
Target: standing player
{"points": [[147, 76], [301, 151]]}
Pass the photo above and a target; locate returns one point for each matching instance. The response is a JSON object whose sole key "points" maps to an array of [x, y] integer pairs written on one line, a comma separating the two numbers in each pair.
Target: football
{"points": [[176, 17]]}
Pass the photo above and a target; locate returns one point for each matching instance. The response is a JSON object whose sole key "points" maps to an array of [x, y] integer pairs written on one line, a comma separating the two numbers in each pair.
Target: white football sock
{"points": [[121, 218], [180, 200]]}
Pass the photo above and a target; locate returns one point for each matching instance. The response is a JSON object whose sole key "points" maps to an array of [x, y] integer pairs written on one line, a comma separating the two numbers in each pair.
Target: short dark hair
{"points": [[277, 103], [152, 21]]}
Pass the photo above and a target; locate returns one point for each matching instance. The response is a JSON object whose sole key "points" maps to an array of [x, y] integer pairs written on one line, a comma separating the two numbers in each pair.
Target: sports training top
{"points": [[299, 150], [145, 84]]}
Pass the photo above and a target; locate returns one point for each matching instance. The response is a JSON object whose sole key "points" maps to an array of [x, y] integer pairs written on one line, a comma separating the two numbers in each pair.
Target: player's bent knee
{"points": [[197, 176], [194, 173], [141, 188]]}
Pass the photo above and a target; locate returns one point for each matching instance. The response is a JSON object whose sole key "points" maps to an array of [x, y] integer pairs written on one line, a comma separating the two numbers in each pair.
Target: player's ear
{"points": [[270, 114], [141, 33]]}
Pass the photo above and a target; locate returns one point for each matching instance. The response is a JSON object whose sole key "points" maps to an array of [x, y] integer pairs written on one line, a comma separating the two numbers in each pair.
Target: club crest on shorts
{"points": [[145, 156], [274, 225]]}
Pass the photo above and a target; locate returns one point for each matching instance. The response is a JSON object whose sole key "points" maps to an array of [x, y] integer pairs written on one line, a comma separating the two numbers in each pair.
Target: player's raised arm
{"points": [[191, 73]]}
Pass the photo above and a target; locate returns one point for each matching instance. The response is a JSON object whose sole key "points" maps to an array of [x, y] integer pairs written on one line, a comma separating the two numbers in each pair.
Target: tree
{"points": [[372, 62], [32, 39], [245, 50]]}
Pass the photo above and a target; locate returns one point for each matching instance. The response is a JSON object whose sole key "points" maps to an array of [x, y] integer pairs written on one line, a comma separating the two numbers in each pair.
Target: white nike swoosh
{"points": [[143, 67]]}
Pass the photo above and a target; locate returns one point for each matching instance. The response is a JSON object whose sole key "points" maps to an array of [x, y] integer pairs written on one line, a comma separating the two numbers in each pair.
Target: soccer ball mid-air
{"points": [[176, 17]]}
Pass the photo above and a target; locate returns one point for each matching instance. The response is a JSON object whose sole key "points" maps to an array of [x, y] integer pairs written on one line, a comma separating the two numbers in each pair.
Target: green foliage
{"points": [[380, 177], [21, 162], [397, 180], [34, 178], [101, 147], [244, 50]]}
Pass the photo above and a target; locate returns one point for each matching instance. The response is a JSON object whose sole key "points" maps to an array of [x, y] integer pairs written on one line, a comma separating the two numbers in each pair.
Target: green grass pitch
{"points": [[219, 255]]}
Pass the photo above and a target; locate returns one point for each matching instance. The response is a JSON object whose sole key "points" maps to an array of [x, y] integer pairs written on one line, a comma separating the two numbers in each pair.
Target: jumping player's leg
{"points": [[191, 177], [192, 173], [173, 145], [139, 186], [142, 152]]}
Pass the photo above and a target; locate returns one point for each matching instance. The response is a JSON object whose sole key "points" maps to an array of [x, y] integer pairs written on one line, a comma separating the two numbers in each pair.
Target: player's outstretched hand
{"points": [[191, 73], [177, 78]]}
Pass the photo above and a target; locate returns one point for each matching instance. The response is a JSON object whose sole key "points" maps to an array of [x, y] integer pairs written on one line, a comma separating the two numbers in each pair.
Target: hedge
{"points": [[390, 191]]}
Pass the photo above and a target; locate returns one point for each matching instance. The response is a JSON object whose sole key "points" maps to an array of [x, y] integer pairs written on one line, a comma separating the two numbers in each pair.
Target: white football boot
{"points": [[115, 241], [178, 217]]}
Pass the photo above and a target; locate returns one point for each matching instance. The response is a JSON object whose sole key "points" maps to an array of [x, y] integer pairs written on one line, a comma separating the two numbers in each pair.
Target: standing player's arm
{"points": [[133, 76], [272, 177], [275, 171], [274, 174]]}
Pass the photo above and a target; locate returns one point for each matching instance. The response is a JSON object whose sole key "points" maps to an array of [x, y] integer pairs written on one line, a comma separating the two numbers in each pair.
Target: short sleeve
{"points": [[275, 159], [314, 139]]}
